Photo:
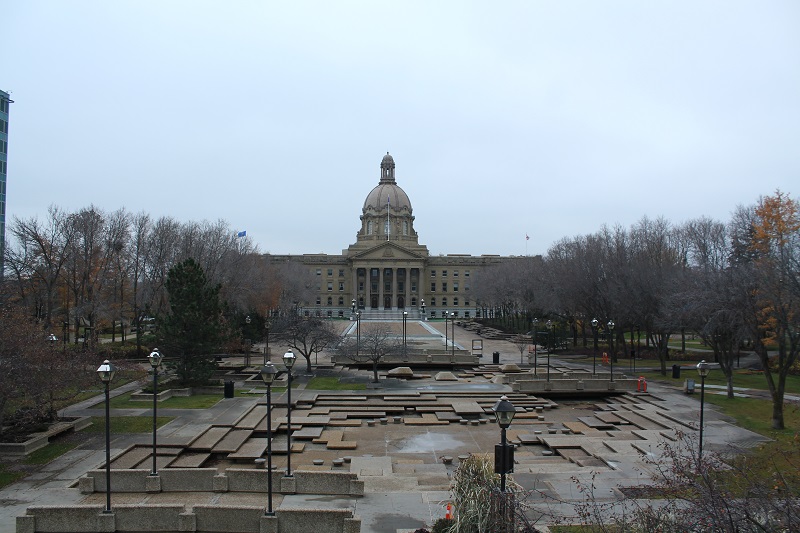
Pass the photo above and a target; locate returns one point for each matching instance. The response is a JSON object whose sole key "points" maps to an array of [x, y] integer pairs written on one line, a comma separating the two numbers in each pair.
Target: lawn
{"points": [[333, 383], [747, 379], [198, 401], [55, 449]]}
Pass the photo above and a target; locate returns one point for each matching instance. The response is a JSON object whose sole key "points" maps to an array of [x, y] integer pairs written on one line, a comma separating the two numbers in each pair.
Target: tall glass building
{"points": [[5, 103]]}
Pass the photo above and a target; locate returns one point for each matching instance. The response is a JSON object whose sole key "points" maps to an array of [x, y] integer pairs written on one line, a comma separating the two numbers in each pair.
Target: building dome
{"points": [[387, 191]]}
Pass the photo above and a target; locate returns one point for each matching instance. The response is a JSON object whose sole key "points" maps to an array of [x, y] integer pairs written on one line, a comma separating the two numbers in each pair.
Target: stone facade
{"points": [[387, 271]]}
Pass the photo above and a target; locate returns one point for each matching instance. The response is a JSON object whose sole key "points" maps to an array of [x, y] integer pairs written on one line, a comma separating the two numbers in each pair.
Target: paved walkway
{"points": [[406, 483]]}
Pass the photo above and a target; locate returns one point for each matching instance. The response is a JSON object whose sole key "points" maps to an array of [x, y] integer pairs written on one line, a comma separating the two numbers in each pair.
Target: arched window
{"points": [[405, 227], [369, 227], [330, 300]]}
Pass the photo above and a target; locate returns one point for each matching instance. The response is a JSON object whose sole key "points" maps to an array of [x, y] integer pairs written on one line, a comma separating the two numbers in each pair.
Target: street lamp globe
{"points": [[703, 368], [268, 373], [155, 358], [106, 371], [289, 359], [504, 412]]}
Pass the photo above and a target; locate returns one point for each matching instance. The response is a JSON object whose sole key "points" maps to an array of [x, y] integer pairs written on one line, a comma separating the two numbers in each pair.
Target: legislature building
{"points": [[387, 271]]}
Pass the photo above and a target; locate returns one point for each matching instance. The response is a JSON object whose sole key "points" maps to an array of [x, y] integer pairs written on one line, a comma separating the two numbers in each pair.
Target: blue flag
{"points": [[242, 234]]}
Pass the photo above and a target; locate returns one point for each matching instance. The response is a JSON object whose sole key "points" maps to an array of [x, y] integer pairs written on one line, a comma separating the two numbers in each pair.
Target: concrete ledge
{"points": [[147, 518], [232, 480], [169, 518], [40, 440], [224, 518]]}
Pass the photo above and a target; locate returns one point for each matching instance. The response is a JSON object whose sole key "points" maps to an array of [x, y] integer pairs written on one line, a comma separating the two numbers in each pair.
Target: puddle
{"points": [[428, 442]]}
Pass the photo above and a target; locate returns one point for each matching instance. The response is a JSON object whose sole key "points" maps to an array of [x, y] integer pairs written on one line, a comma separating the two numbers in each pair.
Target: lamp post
{"points": [[266, 339], [288, 360], [358, 331], [452, 336], [535, 323], [638, 345], [405, 319], [65, 334], [155, 358], [106, 373], [702, 369], [611, 342], [247, 321], [595, 325], [552, 331], [268, 373], [353, 309], [504, 412], [52, 339], [422, 305], [445, 316]]}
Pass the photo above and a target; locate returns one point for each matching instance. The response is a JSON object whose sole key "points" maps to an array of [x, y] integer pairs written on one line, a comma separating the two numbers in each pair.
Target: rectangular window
{"points": [[455, 286], [3, 146], [360, 286], [330, 272], [466, 314], [3, 126], [341, 273], [466, 273], [433, 287], [341, 286], [374, 286], [413, 287], [319, 302], [401, 286], [444, 302], [455, 273], [330, 286], [433, 300], [433, 273], [319, 272], [455, 301], [444, 286], [466, 287], [444, 273]]}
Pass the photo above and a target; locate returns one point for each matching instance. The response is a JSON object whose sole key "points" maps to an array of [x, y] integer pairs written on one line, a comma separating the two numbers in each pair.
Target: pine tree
{"points": [[194, 329]]}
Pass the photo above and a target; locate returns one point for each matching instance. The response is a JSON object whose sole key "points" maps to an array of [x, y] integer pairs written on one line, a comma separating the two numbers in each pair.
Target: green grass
{"points": [[332, 383], [741, 378], [53, 450], [126, 424], [199, 401], [755, 414], [7, 478]]}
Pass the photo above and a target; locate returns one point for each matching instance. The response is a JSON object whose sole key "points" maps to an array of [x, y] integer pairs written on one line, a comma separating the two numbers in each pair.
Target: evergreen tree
{"points": [[194, 329]]}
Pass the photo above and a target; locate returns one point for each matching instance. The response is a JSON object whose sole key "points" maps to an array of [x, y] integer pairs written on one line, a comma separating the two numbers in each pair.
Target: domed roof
{"points": [[387, 190]]}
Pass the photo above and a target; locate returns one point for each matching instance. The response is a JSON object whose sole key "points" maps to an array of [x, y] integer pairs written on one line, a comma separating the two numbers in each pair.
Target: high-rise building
{"points": [[5, 103]]}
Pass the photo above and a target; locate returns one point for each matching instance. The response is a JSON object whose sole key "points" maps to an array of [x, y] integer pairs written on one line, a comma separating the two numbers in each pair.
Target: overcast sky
{"points": [[504, 118]]}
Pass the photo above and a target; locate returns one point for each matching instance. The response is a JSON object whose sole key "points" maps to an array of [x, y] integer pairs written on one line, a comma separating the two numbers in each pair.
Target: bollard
{"points": [[641, 386], [449, 515]]}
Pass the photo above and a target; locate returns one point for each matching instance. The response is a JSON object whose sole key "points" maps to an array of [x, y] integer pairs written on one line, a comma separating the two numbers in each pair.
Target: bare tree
{"points": [[307, 335], [375, 343]]}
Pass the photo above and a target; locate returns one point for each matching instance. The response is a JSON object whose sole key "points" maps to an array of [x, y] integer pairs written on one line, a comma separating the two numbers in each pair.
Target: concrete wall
{"points": [[232, 480], [522, 383], [170, 518]]}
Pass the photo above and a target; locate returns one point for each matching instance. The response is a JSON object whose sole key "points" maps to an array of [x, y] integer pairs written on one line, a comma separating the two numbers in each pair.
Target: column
{"points": [[380, 287], [394, 288], [408, 288], [354, 286]]}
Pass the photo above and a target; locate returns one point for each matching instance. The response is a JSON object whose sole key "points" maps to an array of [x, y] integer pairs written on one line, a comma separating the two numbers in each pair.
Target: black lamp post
{"points": [[247, 321], [353, 309], [535, 323], [268, 373], [405, 318], [550, 344], [358, 332], [65, 335], [422, 305], [53, 340], [595, 325], [444, 315], [638, 346], [266, 346], [702, 369], [452, 336], [611, 342], [106, 372], [289, 359], [504, 412], [155, 358]]}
